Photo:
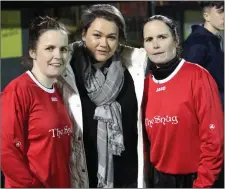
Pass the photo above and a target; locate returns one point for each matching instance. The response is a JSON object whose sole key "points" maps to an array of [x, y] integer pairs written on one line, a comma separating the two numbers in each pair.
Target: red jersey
{"points": [[184, 123], [36, 131]]}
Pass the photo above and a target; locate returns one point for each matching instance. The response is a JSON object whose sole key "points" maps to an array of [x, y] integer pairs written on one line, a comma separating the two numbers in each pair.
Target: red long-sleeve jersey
{"points": [[184, 123], [35, 135]]}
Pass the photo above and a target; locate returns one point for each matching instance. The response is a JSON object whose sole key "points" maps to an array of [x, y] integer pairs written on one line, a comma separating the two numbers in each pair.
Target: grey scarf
{"points": [[103, 90]]}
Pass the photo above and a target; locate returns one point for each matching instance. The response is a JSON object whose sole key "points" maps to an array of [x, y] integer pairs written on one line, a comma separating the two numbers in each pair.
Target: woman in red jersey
{"points": [[36, 128], [183, 113]]}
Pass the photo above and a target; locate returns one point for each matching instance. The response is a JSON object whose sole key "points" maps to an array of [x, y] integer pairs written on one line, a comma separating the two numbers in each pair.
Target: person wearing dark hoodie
{"points": [[203, 46]]}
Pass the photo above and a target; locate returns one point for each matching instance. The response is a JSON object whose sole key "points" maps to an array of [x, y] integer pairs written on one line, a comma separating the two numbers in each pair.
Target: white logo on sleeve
{"points": [[161, 89], [212, 126]]}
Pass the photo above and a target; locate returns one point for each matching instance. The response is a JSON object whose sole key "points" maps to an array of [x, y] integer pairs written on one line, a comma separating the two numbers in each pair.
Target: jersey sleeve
{"points": [[14, 162], [211, 130]]}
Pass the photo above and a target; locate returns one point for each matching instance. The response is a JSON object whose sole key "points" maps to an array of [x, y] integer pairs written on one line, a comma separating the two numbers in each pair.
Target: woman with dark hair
{"points": [[104, 83], [36, 128], [183, 113]]}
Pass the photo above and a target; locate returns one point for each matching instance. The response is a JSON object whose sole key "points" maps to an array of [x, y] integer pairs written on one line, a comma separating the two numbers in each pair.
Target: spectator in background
{"points": [[36, 128], [104, 82], [203, 46], [183, 113]]}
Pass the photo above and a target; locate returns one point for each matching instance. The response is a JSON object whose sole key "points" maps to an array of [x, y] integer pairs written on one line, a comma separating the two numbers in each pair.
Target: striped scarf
{"points": [[103, 90]]}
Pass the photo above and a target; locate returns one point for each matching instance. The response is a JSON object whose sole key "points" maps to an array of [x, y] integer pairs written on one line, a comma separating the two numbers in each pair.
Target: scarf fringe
{"points": [[102, 183]]}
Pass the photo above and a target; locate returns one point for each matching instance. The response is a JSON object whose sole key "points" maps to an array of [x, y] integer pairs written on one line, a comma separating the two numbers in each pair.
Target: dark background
{"points": [[69, 12]]}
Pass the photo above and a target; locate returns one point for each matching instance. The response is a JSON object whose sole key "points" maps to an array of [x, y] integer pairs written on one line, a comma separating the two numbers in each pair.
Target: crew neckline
{"points": [[171, 75], [39, 84]]}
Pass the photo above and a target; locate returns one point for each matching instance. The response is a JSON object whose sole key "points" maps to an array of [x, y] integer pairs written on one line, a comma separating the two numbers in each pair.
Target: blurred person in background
{"points": [[36, 128], [183, 113], [204, 44], [104, 82]]}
